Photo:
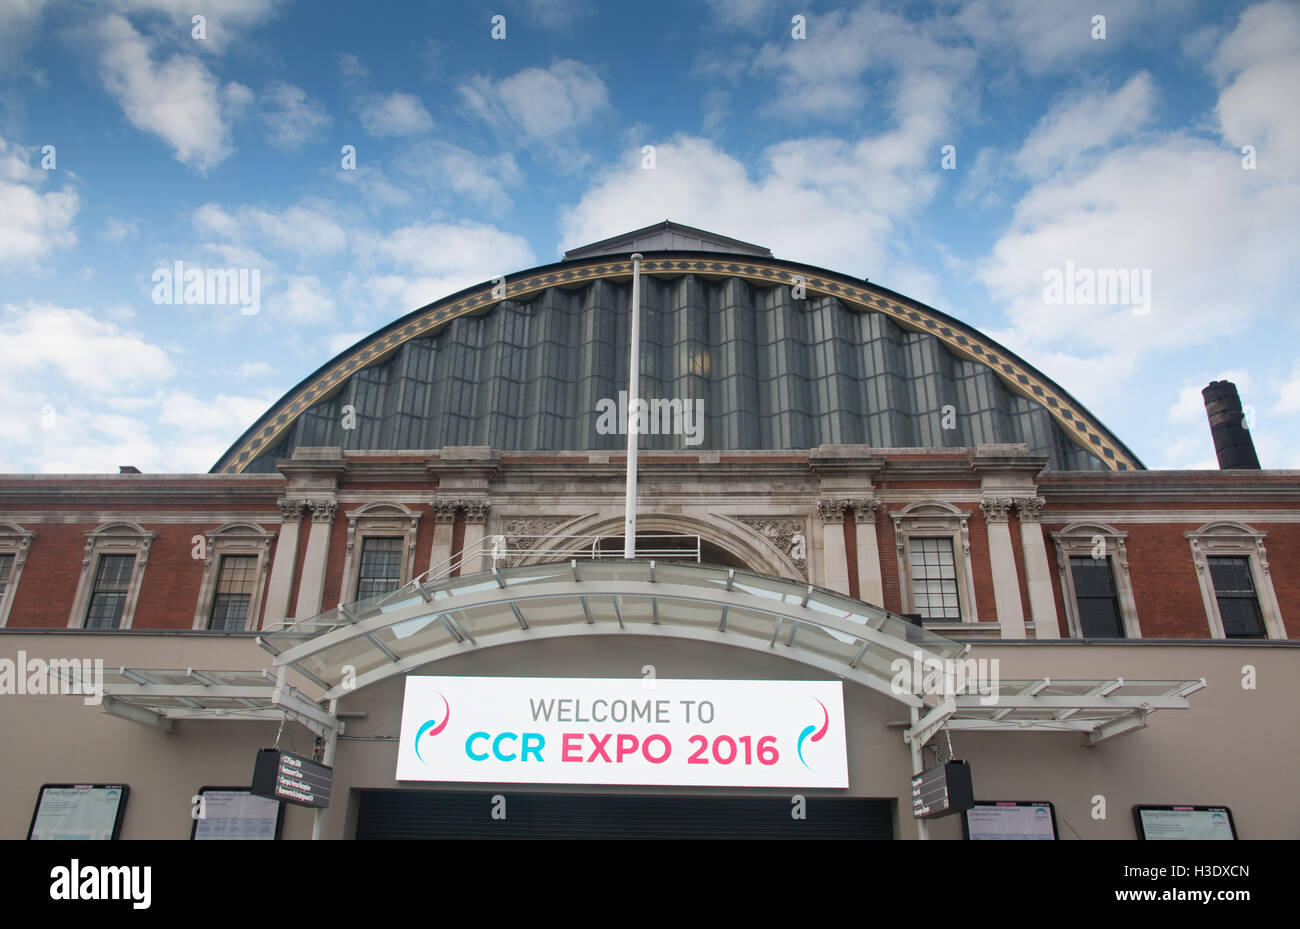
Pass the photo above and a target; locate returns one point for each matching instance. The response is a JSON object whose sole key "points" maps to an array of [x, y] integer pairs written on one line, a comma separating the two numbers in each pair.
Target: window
{"points": [[112, 586], [934, 579], [1092, 560], [1235, 593], [112, 574], [1094, 593], [235, 583], [381, 566], [1236, 585], [933, 544], [236, 561], [381, 550], [14, 544]]}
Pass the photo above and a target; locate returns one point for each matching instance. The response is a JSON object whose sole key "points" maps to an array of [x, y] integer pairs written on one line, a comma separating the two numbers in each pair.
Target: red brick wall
{"points": [[888, 561], [49, 581], [978, 529]]}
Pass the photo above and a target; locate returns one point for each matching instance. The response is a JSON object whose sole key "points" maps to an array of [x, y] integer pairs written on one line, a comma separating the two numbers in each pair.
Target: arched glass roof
{"points": [[852, 363]]}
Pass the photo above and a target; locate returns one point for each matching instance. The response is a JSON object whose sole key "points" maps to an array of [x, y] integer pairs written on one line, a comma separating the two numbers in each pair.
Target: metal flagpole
{"points": [[633, 401]]}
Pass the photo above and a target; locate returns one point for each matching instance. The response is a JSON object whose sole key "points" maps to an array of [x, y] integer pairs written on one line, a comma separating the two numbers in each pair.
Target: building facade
{"points": [[799, 426]]}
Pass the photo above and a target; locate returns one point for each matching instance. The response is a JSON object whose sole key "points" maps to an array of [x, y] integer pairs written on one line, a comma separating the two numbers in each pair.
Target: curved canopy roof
{"points": [[527, 366]]}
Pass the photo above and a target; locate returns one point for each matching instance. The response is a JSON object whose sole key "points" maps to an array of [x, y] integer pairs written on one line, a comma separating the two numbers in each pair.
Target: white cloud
{"points": [[557, 15], [304, 230], [305, 301], [541, 104], [31, 223], [252, 369], [1085, 123], [226, 21], [291, 117], [18, 22], [1177, 206], [395, 114], [824, 75], [1288, 394], [827, 202], [115, 230], [745, 13], [1259, 62], [1056, 35], [178, 100], [482, 179], [89, 355]]}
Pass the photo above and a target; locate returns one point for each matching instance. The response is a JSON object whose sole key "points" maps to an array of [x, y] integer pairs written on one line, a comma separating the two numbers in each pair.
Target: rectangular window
{"points": [[234, 593], [381, 567], [6, 569], [108, 599], [1234, 589], [1094, 591], [934, 579]]}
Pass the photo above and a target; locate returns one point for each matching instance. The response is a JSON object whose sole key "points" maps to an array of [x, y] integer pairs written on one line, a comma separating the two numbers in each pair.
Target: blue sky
{"points": [[478, 156]]}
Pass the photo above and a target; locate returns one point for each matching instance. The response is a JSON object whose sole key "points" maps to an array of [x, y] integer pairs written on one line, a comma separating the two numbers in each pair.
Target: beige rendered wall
{"points": [[1232, 747]]}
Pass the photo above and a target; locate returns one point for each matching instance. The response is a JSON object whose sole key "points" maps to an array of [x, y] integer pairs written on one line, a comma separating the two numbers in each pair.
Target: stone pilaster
{"points": [[311, 590], [286, 555], [1002, 561], [871, 587], [1038, 579]]}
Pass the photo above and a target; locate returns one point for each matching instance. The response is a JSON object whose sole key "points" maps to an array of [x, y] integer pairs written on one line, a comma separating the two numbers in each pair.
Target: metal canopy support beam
{"points": [[388, 652], [858, 657], [1037, 688], [136, 714], [1099, 691], [1120, 726], [921, 730]]}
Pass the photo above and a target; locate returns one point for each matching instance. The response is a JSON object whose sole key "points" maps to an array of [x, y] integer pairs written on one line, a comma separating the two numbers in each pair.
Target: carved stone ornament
{"points": [[832, 511], [290, 511], [1030, 509], [521, 535], [322, 510], [996, 509], [788, 535], [865, 511], [476, 511]]}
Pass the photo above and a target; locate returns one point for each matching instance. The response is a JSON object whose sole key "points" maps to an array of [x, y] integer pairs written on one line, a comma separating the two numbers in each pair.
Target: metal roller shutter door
{"points": [[438, 814]]}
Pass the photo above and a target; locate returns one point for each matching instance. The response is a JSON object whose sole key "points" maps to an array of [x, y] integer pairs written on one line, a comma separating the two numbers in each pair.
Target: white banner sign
{"points": [[548, 730]]}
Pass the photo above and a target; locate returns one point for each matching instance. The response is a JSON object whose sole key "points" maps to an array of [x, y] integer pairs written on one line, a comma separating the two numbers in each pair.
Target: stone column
{"points": [[1042, 605], [1002, 560], [870, 586], [312, 589], [835, 566], [286, 556], [444, 519], [476, 512]]}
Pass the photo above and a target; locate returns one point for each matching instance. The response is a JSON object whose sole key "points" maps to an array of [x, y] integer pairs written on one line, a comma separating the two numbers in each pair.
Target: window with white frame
{"points": [[237, 559], [934, 579], [112, 573], [1092, 561], [1236, 584], [14, 544], [380, 551], [933, 544]]}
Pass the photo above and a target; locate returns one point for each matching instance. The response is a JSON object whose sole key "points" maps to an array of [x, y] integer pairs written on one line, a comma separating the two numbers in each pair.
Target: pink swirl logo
{"points": [[814, 732], [432, 727]]}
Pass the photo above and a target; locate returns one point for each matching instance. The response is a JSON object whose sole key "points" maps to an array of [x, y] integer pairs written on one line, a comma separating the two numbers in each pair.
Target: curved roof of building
{"points": [[852, 363]]}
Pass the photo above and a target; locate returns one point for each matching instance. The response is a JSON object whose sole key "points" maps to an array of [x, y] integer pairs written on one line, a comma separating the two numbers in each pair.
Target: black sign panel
{"points": [[292, 778], [942, 790]]}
